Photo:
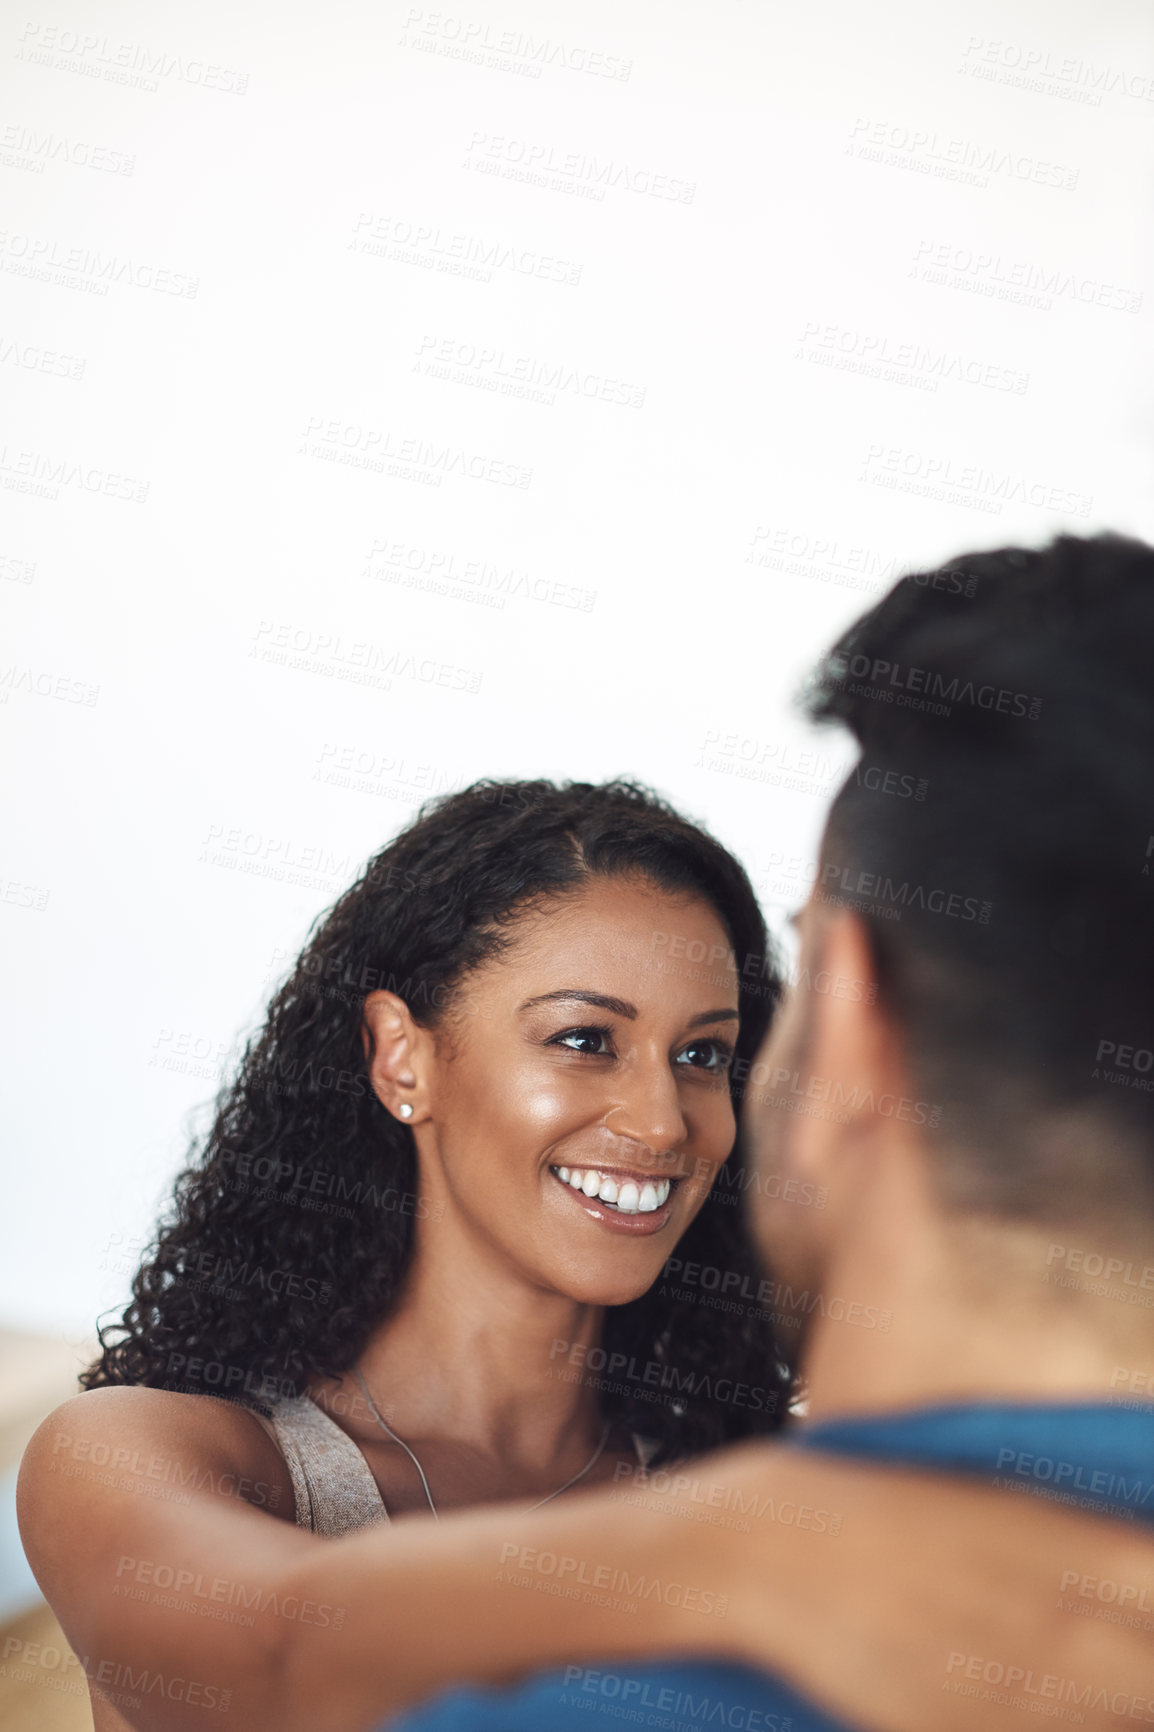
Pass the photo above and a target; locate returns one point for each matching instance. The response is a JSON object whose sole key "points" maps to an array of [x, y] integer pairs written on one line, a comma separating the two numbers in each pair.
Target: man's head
{"points": [[976, 981]]}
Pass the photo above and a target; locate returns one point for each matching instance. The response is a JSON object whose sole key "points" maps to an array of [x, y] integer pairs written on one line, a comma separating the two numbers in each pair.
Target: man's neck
{"points": [[919, 1307]]}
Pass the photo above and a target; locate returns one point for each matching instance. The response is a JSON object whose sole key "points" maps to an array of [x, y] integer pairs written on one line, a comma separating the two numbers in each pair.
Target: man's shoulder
{"points": [[690, 1696]]}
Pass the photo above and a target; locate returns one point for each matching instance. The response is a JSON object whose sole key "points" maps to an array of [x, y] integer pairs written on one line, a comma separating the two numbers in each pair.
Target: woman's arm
{"points": [[898, 1600], [211, 1608], [135, 1515]]}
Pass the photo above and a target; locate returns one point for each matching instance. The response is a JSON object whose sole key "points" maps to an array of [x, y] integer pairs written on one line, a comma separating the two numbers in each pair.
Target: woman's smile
{"points": [[622, 1200]]}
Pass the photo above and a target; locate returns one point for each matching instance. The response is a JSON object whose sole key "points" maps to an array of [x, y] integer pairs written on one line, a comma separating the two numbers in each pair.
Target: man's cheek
{"points": [[705, 1170], [756, 1107]]}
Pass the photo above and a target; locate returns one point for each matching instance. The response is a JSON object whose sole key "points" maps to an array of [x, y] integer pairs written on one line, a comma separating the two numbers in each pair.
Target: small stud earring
{"points": [[406, 1109]]}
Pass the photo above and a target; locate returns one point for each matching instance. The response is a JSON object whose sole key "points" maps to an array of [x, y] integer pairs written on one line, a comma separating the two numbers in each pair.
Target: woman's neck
{"points": [[474, 1353]]}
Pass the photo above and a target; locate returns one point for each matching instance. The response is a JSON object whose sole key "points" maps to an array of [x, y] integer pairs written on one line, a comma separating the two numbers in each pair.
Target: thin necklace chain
{"points": [[385, 1426]]}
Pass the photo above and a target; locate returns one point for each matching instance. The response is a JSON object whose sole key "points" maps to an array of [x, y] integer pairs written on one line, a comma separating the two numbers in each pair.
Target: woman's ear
{"points": [[394, 1049]]}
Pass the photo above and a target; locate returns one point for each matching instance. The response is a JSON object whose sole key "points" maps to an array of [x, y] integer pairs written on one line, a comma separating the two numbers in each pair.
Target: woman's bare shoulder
{"points": [[137, 1504], [161, 1443]]}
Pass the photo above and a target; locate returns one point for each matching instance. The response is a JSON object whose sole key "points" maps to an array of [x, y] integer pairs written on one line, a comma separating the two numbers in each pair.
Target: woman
{"points": [[421, 1259], [438, 1128]]}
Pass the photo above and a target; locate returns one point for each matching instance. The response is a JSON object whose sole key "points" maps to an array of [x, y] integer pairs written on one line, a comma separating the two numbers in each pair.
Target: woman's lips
{"points": [[622, 1201]]}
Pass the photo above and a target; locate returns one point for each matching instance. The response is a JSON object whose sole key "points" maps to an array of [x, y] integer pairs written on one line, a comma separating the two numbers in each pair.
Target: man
{"points": [[964, 1075]]}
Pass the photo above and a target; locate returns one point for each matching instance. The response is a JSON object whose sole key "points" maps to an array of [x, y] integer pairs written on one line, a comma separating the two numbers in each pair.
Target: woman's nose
{"points": [[648, 1107]]}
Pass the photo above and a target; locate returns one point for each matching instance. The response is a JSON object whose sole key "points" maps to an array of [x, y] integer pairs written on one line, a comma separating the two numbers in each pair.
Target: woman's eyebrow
{"points": [[619, 1006]]}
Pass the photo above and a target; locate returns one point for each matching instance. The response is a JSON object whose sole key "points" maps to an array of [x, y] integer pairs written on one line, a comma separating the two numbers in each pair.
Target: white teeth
{"points": [[629, 1198]]}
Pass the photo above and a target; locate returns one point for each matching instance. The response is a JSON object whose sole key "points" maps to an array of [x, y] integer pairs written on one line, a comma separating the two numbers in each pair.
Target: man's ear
{"points": [[396, 1050], [854, 1038]]}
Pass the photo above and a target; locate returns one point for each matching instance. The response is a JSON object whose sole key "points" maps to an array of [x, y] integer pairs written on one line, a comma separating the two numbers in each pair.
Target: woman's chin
{"points": [[615, 1289]]}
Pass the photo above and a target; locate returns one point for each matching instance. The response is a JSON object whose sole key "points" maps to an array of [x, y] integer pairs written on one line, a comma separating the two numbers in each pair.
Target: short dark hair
{"points": [[997, 839]]}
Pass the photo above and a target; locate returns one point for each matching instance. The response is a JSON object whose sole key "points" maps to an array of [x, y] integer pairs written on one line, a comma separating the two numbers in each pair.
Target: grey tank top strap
{"points": [[332, 1482]]}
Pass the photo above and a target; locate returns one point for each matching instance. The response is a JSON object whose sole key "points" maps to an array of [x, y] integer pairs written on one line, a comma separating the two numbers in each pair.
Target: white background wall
{"points": [[825, 291]]}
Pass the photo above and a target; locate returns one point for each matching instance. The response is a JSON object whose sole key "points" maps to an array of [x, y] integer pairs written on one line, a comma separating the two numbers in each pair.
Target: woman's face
{"points": [[578, 1097]]}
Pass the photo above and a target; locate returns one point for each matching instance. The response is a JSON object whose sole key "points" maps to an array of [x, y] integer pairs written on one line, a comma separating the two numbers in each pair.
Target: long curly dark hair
{"points": [[263, 1275]]}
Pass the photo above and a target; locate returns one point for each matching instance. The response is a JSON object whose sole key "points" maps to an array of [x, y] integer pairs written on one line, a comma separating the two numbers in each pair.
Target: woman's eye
{"points": [[711, 1055], [588, 1040]]}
